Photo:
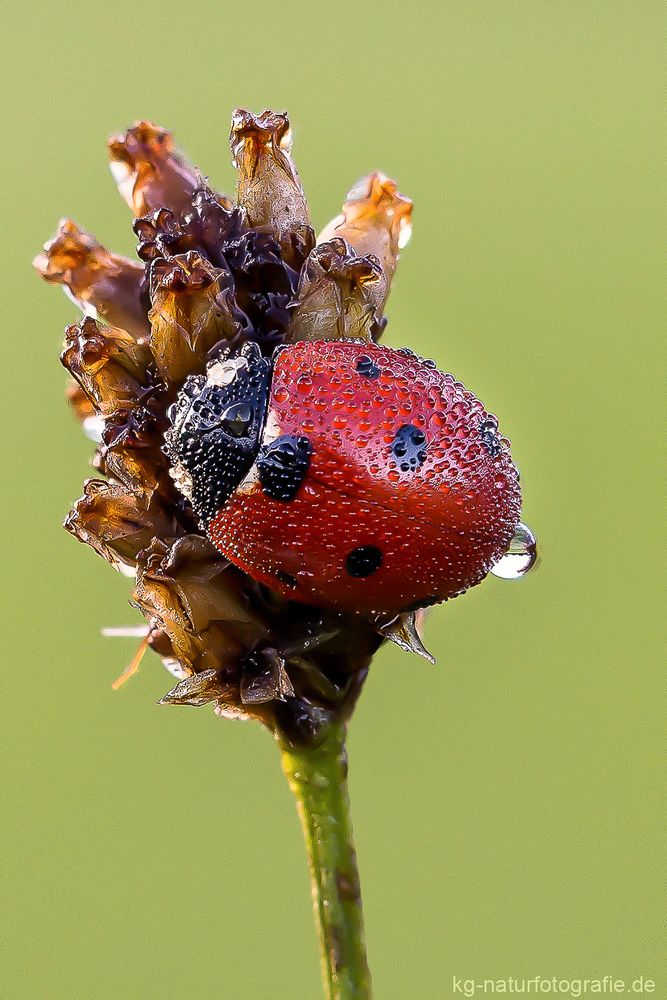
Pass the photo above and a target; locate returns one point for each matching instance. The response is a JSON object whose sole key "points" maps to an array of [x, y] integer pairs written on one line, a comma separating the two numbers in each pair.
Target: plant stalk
{"points": [[318, 779]]}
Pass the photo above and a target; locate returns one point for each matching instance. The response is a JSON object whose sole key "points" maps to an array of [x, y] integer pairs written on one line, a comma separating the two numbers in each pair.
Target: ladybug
{"points": [[345, 474]]}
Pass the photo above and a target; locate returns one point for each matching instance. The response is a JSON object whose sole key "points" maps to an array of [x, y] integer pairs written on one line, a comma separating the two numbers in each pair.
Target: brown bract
{"points": [[214, 274], [190, 313], [334, 295], [149, 171], [109, 365], [375, 219], [116, 523], [268, 187], [98, 280], [130, 453], [187, 591]]}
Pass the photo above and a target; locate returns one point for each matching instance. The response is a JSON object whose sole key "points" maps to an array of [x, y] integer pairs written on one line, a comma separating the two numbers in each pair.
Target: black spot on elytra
{"points": [[409, 447], [283, 465], [286, 579], [488, 431], [363, 561], [367, 367]]}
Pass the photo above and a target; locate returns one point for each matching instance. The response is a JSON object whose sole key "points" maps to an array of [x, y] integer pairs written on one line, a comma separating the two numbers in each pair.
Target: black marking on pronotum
{"points": [[236, 419], [367, 367], [363, 561], [283, 465], [409, 447], [488, 431], [216, 426]]}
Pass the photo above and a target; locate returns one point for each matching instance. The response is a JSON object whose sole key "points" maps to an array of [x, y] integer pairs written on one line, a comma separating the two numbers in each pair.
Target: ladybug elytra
{"points": [[345, 474]]}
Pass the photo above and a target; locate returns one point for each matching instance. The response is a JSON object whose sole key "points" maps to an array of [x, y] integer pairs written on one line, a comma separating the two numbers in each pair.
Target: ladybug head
{"points": [[216, 424]]}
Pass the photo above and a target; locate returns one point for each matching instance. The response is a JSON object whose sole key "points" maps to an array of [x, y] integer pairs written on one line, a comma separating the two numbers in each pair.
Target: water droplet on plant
{"points": [[520, 557]]}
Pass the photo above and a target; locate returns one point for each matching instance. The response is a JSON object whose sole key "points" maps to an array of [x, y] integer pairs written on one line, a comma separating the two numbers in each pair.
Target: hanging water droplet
{"points": [[520, 557]]}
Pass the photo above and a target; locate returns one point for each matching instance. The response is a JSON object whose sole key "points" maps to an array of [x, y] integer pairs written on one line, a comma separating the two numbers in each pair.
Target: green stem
{"points": [[318, 779]]}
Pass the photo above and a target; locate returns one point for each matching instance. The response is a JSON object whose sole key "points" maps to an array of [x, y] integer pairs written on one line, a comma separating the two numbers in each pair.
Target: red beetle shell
{"points": [[438, 526]]}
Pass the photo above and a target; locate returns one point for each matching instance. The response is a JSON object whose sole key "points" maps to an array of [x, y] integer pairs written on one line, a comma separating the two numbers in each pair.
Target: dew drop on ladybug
{"points": [[349, 475]]}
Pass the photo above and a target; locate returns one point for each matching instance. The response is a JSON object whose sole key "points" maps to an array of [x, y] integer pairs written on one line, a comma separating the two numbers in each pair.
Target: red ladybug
{"points": [[346, 475]]}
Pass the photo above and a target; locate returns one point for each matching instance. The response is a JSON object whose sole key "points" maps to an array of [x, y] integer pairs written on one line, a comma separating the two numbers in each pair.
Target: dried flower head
{"points": [[215, 275]]}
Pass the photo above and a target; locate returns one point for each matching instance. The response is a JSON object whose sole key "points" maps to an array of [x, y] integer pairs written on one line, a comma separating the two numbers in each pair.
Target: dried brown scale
{"points": [[109, 365], [207, 225], [113, 286], [116, 522], [131, 454], [189, 314], [149, 171], [214, 273], [187, 589], [268, 185], [375, 219], [332, 297]]}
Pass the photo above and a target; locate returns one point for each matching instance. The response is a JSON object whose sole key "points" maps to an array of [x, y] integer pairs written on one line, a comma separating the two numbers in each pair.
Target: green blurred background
{"points": [[505, 801]]}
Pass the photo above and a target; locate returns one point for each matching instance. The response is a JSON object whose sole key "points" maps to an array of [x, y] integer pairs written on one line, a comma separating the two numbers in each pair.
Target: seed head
{"points": [[213, 273]]}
